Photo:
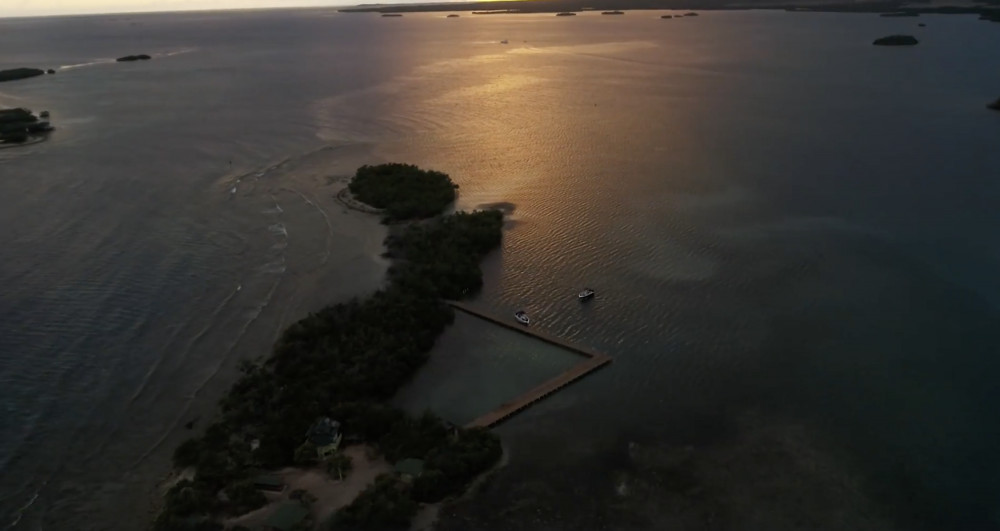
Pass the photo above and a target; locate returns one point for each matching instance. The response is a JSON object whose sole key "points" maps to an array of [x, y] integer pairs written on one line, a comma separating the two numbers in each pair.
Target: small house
{"points": [[410, 469], [269, 482], [325, 434], [286, 517]]}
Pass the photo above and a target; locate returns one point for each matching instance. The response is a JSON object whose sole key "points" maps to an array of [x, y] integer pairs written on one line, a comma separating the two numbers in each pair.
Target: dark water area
{"points": [[791, 232]]}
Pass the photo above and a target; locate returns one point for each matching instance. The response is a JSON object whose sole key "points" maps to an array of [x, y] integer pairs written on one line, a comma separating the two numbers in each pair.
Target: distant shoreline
{"points": [[989, 7]]}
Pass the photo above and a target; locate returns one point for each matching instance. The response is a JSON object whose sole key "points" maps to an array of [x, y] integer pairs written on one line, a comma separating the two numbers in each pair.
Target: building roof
{"points": [[287, 516], [268, 480], [323, 432], [411, 467]]}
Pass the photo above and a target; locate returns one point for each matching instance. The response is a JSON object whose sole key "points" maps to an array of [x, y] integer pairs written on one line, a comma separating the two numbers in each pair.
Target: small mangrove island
{"points": [[130, 58], [18, 126], [896, 40], [403, 191], [330, 376], [612, 12], [453, 15], [566, 14], [14, 74]]}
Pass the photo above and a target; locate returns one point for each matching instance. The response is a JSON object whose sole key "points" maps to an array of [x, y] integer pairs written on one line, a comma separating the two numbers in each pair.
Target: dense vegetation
{"points": [[384, 505], [452, 458], [10, 116], [404, 191], [344, 362], [429, 256], [19, 73], [17, 125]]}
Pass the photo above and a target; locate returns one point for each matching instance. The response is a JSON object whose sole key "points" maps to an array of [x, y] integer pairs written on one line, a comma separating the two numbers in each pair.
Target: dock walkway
{"points": [[595, 360]]}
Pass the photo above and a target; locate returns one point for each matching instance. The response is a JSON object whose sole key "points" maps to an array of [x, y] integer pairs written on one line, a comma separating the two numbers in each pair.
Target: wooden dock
{"points": [[595, 360], [527, 330]]}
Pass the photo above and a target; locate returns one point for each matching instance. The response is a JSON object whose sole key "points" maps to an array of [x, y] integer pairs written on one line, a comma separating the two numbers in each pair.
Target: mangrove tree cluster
{"points": [[404, 191], [18, 125], [344, 362]]}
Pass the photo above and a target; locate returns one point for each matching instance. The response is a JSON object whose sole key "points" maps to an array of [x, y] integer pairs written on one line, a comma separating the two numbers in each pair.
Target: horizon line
{"points": [[332, 4]]}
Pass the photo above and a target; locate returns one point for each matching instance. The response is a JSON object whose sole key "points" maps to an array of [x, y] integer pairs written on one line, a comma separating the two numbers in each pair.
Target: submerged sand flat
{"points": [[329, 253]]}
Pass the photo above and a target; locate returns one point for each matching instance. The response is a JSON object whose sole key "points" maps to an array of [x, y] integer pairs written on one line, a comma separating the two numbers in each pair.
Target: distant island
{"points": [[612, 12], [20, 73], [19, 126], [330, 377], [392, 15], [987, 9], [453, 15], [566, 14], [896, 40], [995, 105], [901, 14], [129, 58]]}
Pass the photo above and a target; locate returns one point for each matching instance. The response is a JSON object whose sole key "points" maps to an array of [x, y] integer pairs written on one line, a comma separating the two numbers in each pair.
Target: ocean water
{"points": [[791, 232]]}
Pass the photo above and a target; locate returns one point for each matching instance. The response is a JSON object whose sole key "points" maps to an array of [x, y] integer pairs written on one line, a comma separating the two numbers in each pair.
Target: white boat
{"points": [[522, 317], [587, 293]]}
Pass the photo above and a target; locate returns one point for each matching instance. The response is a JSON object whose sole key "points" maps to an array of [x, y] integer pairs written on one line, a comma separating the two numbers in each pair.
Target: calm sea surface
{"points": [[792, 233]]}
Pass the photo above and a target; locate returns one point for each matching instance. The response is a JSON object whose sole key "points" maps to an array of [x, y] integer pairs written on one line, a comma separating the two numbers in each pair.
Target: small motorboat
{"points": [[522, 317], [586, 294]]}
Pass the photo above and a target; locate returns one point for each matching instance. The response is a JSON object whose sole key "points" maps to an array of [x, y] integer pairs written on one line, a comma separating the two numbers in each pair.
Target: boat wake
{"points": [[84, 65], [105, 61], [19, 513]]}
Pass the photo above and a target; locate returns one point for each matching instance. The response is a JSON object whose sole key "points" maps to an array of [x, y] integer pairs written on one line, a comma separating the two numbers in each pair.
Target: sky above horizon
{"points": [[30, 8]]}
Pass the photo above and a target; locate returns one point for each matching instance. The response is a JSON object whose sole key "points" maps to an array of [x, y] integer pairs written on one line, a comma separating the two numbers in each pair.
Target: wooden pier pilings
{"points": [[595, 360]]}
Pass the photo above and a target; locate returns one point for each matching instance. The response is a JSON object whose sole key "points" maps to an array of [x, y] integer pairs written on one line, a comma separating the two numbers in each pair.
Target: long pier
{"points": [[595, 360]]}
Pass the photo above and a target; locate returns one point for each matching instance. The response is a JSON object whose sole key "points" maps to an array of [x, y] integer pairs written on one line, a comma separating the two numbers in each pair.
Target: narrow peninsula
{"points": [[322, 395], [15, 74]]}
